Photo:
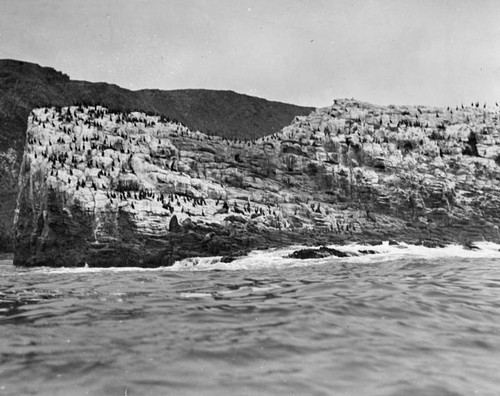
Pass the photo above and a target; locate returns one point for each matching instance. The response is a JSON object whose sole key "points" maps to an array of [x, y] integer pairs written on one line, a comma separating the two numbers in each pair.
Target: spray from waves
{"points": [[278, 258]]}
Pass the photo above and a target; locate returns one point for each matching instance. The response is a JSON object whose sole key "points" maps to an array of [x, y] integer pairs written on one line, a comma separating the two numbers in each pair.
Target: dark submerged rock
{"points": [[322, 252], [471, 246]]}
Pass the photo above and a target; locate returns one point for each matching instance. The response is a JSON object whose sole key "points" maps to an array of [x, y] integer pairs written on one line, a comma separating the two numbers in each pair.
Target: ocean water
{"points": [[404, 321]]}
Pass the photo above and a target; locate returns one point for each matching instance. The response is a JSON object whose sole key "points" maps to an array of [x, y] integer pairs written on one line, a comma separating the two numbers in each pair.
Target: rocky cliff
{"points": [[24, 86], [115, 189]]}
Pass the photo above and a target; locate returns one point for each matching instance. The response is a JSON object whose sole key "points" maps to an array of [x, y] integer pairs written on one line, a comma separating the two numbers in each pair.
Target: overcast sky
{"points": [[304, 52]]}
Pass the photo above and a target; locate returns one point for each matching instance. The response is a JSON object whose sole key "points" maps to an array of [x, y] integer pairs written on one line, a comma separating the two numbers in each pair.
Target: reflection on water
{"points": [[412, 326]]}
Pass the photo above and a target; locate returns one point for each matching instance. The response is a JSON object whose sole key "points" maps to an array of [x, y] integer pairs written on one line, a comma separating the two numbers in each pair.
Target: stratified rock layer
{"points": [[109, 189], [24, 86]]}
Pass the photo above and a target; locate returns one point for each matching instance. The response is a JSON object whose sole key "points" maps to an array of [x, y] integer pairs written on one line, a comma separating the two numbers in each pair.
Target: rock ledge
{"points": [[115, 189]]}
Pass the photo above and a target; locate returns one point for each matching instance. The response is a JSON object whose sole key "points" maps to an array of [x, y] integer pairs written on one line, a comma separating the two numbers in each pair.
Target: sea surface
{"points": [[406, 320]]}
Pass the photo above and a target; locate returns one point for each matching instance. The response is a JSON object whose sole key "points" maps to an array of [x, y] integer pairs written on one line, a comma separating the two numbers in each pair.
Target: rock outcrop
{"points": [[324, 252], [24, 86], [114, 189]]}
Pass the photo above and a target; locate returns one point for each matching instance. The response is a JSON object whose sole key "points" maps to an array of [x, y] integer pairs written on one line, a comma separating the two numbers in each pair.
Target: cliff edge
{"points": [[108, 188], [25, 86]]}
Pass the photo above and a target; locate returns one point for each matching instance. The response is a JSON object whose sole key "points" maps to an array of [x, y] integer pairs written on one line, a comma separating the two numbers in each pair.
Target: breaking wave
{"points": [[279, 258]]}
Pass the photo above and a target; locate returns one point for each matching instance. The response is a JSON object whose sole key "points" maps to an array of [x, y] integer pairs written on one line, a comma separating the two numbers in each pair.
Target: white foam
{"points": [[274, 258], [244, 291], [89, 270], [278, 258], [195, 295]]}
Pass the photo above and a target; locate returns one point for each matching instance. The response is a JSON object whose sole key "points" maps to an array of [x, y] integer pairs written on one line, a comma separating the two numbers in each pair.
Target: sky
{"points": [[425, 52]]}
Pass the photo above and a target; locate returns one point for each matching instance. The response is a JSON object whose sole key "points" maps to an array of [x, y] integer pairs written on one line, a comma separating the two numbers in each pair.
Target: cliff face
{"points": [[108, 189], [24, 86]]}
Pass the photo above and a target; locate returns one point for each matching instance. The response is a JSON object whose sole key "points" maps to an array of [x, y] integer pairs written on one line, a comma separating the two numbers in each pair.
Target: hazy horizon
{"points": [[301, 52]]}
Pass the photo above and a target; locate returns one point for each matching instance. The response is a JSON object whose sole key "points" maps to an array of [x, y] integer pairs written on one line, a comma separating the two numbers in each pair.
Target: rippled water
{"points": [[388, 324]]}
